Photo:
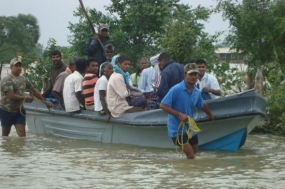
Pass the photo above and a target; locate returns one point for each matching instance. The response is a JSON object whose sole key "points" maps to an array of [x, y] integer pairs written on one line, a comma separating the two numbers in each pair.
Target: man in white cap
{"points": [[93, 47], [155, 75], [12, 111], [146, 79]]}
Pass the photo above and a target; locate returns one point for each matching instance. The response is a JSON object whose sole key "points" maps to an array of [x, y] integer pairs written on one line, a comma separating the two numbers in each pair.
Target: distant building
{"points": [[225, 54]]}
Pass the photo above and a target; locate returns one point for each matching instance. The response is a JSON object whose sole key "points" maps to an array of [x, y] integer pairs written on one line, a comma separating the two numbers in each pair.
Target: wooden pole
{"points": [[90, 23], [1, 66]]}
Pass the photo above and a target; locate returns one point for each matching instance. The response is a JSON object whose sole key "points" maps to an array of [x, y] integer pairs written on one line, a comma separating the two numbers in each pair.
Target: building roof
{"points": [[224, 50]]}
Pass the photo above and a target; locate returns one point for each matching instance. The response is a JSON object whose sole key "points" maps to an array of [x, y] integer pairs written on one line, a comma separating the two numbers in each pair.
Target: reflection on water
{"points": [[49, 162]]}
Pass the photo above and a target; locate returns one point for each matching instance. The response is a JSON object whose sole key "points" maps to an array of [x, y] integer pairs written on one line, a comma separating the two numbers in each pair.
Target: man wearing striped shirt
{"points": [[89, 82]]}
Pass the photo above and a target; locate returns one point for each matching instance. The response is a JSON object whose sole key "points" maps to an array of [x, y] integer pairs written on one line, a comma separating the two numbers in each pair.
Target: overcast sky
{"points": [[53, 15]]}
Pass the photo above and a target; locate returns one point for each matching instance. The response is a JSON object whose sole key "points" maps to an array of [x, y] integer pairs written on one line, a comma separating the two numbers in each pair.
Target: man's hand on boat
{"points": [[108, 117], [212, 117], [49, 105], [206, 109]]}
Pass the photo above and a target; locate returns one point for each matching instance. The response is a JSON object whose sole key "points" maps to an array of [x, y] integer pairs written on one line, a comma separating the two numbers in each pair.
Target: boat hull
{"points": [[229, 136], [236, 116]]}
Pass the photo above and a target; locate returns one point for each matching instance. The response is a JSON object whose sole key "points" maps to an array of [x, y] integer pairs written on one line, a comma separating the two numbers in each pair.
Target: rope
{"points": [[192, 127], [23, 102]]}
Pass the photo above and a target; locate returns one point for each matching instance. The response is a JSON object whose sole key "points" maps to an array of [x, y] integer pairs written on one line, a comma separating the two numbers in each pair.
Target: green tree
{"points": [[38, 67], [140, 24], [18, 35], [81, 31], [135, 26], [185, 39], [258, 32]]}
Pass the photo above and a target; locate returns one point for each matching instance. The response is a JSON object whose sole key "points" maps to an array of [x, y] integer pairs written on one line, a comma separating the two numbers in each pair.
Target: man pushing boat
{"points": [[179, 103]]}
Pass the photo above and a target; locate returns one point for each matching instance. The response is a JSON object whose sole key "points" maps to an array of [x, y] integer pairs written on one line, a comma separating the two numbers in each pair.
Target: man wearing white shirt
{"points": [[207, 82], [72, 89], [145, 82], [100, 91]]}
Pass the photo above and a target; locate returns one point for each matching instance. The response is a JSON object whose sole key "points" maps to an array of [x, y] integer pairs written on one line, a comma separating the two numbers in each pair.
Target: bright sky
{"points": [[53, 15]]}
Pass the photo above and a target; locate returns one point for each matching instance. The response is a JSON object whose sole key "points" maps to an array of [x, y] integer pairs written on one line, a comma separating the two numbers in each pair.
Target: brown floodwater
{"points": [[45, 161]]}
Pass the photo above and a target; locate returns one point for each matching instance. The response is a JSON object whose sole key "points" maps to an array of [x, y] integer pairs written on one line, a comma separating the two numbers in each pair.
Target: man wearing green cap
{"points": [[180, 103], [12, 111]]}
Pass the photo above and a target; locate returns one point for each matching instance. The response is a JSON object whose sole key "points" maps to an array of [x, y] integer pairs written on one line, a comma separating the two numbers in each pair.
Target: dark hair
{"points": [[139, 70], [164, 56], [72, 61], [81, 65], [200, 61], [105, 66], [91, 60], [122, 58], [55, 52], [109, 47], [192, 61]]}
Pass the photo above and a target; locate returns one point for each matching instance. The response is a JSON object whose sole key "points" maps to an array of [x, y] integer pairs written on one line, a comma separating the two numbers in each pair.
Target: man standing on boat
{"points": [[57, 67], [180, 103], [207, 83], [93, 47], [171, 74], [12, 111]]}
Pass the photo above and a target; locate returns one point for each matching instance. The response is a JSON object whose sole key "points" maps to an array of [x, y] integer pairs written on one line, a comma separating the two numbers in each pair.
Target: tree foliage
{"points": [[38, 67], [185, 38], [139, 28], [257, 30], [140, 24], [18, 35], [81, 31]]}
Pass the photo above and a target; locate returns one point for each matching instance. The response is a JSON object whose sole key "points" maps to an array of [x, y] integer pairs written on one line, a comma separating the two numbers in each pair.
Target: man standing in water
{"points": [[180, 103], [13, 87]]}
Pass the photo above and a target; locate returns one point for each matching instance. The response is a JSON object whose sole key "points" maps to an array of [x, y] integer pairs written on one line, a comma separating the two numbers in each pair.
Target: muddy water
{"points": [[43, 161]]}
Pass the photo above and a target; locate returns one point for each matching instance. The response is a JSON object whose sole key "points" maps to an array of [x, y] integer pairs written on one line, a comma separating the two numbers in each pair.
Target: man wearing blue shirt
{"points": [[179, 103]]}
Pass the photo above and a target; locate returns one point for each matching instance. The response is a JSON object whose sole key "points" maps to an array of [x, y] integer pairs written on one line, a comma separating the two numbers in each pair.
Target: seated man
{"points": [[72, 89], [58, 86], [109, 53], [146, 81], [135, 77], [118, 89], [207, 83], [89, 82], [100, 91]]}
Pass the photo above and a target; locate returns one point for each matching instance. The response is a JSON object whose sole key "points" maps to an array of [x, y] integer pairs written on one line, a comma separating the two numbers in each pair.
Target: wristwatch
{"points": [[211, 90]]}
